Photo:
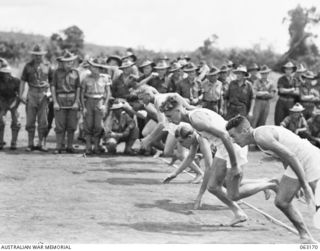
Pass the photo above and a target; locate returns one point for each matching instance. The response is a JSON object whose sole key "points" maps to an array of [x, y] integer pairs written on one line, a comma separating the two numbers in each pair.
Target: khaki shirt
{"points": [[211, 91], [38, 76], [95, 88]]}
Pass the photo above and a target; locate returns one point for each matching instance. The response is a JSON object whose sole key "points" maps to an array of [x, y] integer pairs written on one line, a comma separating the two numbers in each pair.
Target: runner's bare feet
{"points": [[308, 240], [276, 182], [238, 219], [267, 194], [197, 179]]}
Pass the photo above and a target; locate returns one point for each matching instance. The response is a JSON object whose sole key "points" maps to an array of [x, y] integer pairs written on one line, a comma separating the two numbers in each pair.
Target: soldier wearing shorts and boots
{"points": [[95, 95], [37, 74], [65, 90]]}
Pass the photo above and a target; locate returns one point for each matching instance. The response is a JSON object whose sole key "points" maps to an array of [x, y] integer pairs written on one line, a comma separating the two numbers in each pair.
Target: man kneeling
{"points": [[120, 127]]}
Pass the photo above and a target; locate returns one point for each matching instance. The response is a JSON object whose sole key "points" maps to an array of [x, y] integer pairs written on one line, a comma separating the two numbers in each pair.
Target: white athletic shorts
{"points": [[311, 167], [241, 154], [170, 127]]}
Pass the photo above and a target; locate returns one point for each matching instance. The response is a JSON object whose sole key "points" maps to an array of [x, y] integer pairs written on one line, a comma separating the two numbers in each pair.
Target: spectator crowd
{"points": [[116, 99]]}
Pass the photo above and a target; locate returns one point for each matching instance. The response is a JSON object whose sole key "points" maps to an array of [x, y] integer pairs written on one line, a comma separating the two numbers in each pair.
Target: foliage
{"points": [[301, 45], [71, 38]]}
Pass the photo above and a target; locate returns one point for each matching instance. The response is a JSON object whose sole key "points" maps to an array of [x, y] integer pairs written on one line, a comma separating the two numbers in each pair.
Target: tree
{"points": [[301, 46], [208, 45], [71, 38], [74, 39]]}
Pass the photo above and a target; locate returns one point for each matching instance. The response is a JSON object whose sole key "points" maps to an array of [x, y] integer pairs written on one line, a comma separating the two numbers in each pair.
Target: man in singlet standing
{"points": [[300, 158]]}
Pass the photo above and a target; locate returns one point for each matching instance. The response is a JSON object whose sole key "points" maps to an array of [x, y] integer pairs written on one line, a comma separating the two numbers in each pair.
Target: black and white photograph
{"points": [[159, 122]]}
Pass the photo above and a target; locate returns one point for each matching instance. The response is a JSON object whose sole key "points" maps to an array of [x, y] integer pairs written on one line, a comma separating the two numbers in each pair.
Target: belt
{"points": [[65, 95], [94, 96]]}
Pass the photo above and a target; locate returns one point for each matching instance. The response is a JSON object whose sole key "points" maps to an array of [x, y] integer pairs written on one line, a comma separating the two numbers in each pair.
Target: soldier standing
{"points": [[9, 101], [65, 90], [264, 91], [288, 92], [95, 94], [37, 74], [212, 92], [240, 96]]}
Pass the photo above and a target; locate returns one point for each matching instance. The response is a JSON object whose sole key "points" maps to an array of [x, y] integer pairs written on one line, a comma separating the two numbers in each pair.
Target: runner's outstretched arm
{"points": [[185, 163]]}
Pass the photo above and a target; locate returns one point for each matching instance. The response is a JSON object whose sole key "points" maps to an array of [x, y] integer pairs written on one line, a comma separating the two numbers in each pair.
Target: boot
{"points": [[88, 144], [96, 145], [1, 138], [59, 138], [31, 146], [40, 145], [63, 141], [14, 138], [70, 136]]}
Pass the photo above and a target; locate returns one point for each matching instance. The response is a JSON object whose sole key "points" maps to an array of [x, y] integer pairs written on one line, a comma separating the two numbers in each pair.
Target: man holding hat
{"points": [[212, 92], [38, 75], [9, 101], [295, 122], [240, 96], [190, 87], [65, 90], [120, 127], [264, 91], [95, 94], [288, 92]]}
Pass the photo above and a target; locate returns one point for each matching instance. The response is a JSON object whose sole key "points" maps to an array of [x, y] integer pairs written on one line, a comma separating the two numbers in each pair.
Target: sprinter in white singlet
{"points": [[228, 160], [301, 161], [150, 96]]}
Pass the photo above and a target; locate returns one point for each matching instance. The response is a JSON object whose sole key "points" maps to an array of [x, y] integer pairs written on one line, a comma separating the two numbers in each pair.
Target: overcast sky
{"points": [[157, 24]]}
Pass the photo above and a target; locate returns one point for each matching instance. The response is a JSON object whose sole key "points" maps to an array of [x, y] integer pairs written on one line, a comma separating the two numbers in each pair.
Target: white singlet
{"points": [[220, 123], [307, 154], [158, 100]]}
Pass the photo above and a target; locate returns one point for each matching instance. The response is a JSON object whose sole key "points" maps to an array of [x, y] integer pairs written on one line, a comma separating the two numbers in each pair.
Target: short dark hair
{"points": [[169, 104], [183, 131], [236, 121]]}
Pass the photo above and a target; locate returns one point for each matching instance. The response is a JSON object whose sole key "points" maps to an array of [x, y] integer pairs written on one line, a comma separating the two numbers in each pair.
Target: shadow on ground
{"points": [[126, 171], [126, 181], [180, 228], [180, 208]]}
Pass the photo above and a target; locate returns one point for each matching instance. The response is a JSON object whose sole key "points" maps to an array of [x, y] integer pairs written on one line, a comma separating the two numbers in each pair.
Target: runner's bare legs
{"points": [[287, 190]]}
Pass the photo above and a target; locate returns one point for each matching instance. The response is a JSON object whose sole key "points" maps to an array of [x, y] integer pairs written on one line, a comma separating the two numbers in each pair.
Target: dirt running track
{"points": [[117, 199]]}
